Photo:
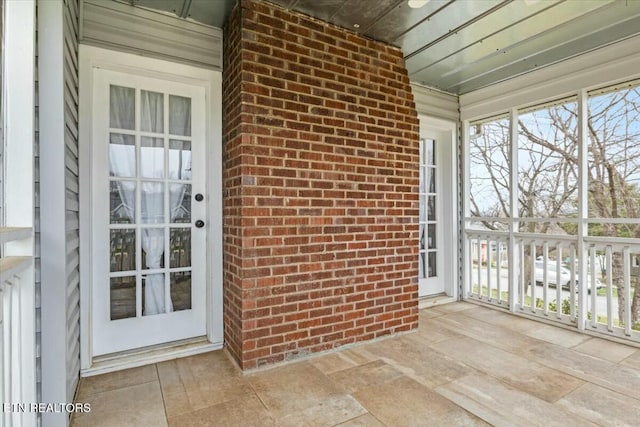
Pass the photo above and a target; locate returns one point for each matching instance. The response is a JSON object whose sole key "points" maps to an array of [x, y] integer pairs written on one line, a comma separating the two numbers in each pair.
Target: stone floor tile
{"points": [[116, 380], [455, 307], [606, 349], [412, 356], [369, 375], [502, 318], [342, 359], [431, 332], [430, 312], [405, 402], [292, 388], [617, 377], [330, 411], [557, 335], [502, 405], [494, 335], [187, 387], [217, 363], [246, 411], [632, 361], [366, 420], [519, 372], [135, 406], [602, 406]]}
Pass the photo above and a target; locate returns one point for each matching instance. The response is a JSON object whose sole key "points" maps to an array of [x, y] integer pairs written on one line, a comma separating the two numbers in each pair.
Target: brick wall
{"points": [[320, 187]]}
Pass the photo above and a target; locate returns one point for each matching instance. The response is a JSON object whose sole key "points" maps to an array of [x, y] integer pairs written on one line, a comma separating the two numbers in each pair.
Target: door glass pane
{"points": [[151, 111], [431, 208], [122, 244], [152, 248], [122, 101], [431, 152], [179, 159], [431, 180], [122, 297], [179, 115], [122, 155], [180, 283], [180, 247], [122, 202], [152, 203], [151, 157], [422, 237], [432, 264], [153, 294], [431, 236], [180, 201], [422, 265]]}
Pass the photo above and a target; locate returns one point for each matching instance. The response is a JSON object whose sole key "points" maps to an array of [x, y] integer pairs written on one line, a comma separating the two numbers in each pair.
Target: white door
{"points": [[436, 263], [148, 212]]}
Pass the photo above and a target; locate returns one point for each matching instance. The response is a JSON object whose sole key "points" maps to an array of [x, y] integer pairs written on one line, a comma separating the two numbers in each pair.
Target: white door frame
{"points": [[93, 57], [448, 202]]}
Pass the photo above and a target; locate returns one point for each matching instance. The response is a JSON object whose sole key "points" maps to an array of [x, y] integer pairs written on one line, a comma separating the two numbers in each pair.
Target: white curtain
{"points": [[122, 163]]}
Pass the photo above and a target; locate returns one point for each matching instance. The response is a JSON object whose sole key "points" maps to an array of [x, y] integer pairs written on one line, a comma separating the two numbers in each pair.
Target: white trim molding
{"points": [[608, 65], [448, 172], [94, 57], [434, 103]]}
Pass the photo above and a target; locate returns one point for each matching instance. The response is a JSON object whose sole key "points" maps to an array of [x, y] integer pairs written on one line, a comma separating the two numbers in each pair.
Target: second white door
{"points": [[436, 262]]}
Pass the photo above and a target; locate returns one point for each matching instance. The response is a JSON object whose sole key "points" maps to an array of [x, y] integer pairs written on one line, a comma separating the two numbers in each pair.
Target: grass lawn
{"points": [[602, 292]]}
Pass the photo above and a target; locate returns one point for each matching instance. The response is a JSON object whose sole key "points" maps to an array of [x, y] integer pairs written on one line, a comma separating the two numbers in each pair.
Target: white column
{"points": [[582, 207], [19, 133]]}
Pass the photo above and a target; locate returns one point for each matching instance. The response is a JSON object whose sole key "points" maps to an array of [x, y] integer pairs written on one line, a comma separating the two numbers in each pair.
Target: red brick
{"points": [[320, 187]]}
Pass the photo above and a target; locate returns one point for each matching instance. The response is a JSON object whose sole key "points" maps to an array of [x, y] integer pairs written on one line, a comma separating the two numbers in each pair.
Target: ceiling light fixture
{"points": [[417, 4]]}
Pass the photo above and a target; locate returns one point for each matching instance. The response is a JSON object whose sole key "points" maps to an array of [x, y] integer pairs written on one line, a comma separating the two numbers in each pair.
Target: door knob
{"points": [[199, 197], [199, 223]]}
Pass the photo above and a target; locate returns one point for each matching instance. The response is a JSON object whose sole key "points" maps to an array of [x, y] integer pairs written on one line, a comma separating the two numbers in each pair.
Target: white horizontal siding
{"points": [[119, 26]]}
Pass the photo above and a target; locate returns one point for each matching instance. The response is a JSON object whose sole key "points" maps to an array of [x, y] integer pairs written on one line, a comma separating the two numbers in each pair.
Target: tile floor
{"points": [[466, 365]]}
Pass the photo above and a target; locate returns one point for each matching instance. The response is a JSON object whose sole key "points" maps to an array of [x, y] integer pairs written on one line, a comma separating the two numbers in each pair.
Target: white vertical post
{"points": [[545, 281], [559, 285], [594, 291], [466, 194], [499, 270], [489, 259], [19, 119], [52, 207], [532, 276], [572, 286], [627, 290], [514, 254], [584, 285], [582, 207]]}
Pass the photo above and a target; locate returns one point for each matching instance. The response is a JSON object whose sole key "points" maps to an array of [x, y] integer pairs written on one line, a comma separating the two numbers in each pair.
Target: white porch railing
{"points": [[17, 334], [540, 275]]}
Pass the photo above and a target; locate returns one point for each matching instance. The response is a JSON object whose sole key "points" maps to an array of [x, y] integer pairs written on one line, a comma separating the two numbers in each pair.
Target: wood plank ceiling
{"points": [[459, 46]]}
